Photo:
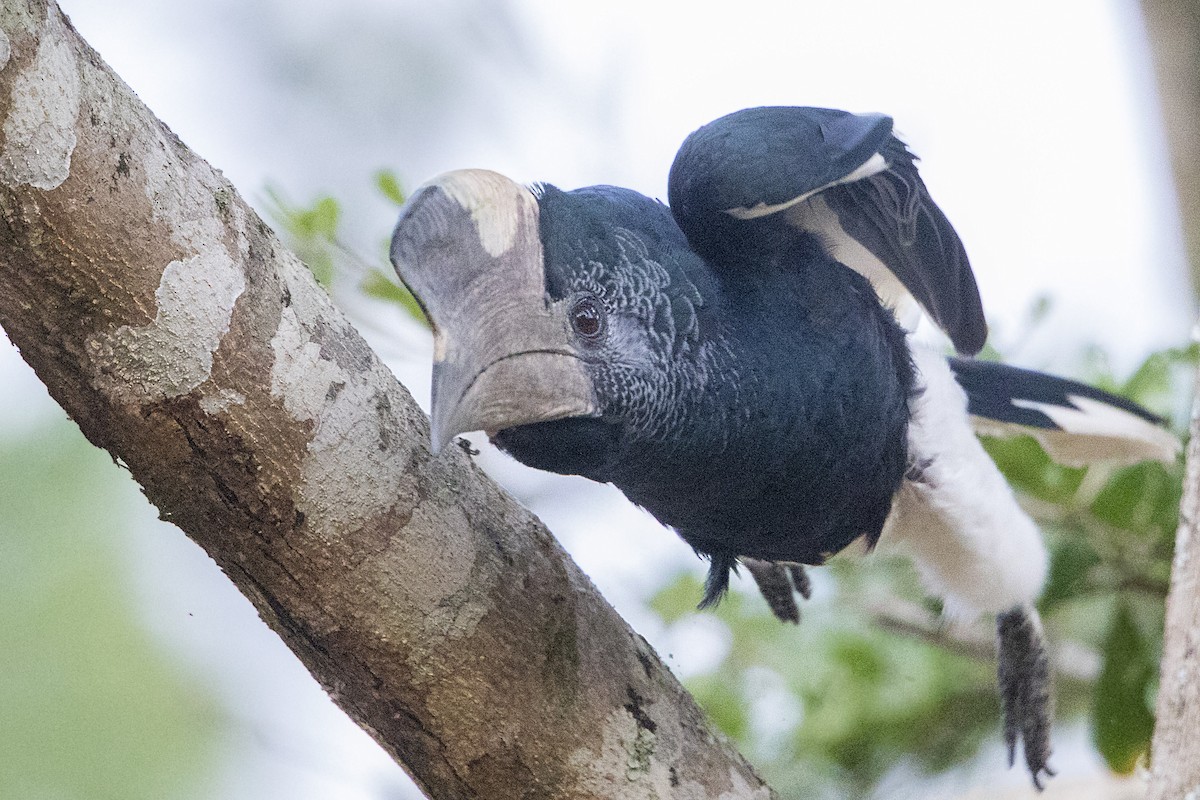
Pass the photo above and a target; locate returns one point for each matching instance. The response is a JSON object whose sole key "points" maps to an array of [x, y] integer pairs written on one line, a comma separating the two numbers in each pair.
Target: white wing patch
{"points": [[875, 164], [1092, 432], [816, 217]]}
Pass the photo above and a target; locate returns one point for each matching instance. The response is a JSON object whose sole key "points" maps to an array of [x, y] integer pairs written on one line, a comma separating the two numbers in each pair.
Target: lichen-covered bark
{"points": [[1175, 751], [1173, 28], [168, 321]]}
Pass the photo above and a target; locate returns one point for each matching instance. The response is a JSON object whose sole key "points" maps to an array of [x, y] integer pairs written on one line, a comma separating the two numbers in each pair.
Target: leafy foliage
{"points": [[871, 696], [1122, 717], [313, 232], [389, 186], [1111, 534]]}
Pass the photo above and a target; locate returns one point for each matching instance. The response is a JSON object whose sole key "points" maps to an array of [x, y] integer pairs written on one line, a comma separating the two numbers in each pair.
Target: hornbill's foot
{"points": [[1024, 678], [779, 584]]}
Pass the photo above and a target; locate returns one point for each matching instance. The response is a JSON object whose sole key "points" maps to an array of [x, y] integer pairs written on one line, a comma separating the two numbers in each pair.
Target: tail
{"points": [[1077, 424]]}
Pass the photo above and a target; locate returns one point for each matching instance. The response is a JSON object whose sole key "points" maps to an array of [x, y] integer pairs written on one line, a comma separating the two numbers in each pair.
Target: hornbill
{"points": [[735, 364]]}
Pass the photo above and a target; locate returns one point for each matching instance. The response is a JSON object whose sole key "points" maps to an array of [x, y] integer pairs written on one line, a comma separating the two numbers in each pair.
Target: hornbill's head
{"points": [[571, 308], [469, 248]]}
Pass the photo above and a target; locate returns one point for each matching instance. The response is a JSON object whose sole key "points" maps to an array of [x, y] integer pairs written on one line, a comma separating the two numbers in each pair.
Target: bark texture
{"points": [[1173, 28], [169, 322], [1175, 751]]}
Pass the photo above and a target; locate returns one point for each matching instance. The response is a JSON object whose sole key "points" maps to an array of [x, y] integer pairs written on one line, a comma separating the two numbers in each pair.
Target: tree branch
{"points": [[1173, 31], [168, 321], [1175, 750]]}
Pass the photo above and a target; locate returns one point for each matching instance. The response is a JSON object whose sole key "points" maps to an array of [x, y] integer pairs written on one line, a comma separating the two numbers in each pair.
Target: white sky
{"points": [[1035, 121]]}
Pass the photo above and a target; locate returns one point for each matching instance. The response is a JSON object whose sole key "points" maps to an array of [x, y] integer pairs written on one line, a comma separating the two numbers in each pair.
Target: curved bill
{"points": [[468, 247]]}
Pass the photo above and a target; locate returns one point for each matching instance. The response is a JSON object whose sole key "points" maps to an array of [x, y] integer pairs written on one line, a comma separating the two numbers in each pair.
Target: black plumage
{"points": [[762, 163], [757, 407]]}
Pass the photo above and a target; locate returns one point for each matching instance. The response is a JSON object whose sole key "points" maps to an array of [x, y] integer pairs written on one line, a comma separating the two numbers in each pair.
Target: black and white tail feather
{"points": [[1076, 424]]}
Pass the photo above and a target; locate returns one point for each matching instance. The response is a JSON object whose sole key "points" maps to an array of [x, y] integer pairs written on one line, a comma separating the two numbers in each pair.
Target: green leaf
{"points": [[1039, 310], [1151, 381], [723, 704], [1133, 497], [322, 218], [321, 266], [1030, 470], [377, 285], [389, 186], [1071, 560], [317, 220], [1122, 718], [311, 231]]}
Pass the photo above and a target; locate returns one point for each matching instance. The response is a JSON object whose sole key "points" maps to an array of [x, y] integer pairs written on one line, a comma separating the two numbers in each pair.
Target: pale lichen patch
{"points": [[647, 774], [300, 378], [173, 354], [347, 439], [39, 130], [196, 295], [641, 753], [656, 768], [221, 400], [341, 396], [444, 578], [321, 376], [19, 17]]}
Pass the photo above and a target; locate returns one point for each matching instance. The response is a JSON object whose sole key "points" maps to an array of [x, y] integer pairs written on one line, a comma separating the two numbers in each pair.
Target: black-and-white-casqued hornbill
{"points": [[733, 362]]}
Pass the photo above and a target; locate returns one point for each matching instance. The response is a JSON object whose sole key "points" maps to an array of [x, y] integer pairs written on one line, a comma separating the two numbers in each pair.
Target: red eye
{"points": [[587, 317]]}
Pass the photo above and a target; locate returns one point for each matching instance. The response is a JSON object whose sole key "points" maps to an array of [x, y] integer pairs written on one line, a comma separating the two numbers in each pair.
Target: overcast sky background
{"points": [[1036, 124]]}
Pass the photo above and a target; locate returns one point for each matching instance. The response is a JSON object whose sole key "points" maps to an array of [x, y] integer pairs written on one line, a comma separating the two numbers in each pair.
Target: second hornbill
{"points": [[734, 364]]}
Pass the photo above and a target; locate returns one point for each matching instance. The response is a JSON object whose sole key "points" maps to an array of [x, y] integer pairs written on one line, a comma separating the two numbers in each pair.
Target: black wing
{"points": [[842, 176]]}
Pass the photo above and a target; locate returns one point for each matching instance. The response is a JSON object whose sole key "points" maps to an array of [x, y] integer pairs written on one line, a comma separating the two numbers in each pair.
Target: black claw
{"points": [[776, 588], [778, 583], [1023, 674], [800, 580]]}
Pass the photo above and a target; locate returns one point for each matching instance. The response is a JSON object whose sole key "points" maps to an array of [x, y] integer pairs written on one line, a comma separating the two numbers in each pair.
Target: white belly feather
{"points": [[958, 518]]}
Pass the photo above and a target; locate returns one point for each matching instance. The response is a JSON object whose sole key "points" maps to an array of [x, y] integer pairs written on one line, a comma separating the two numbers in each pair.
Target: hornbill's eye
{"points": [[587, 317]]}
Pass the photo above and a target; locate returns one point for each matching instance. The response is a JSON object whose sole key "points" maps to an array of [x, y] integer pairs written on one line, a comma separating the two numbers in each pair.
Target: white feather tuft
{"points": [[873, 165], [818, 218], [956, 516]]}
